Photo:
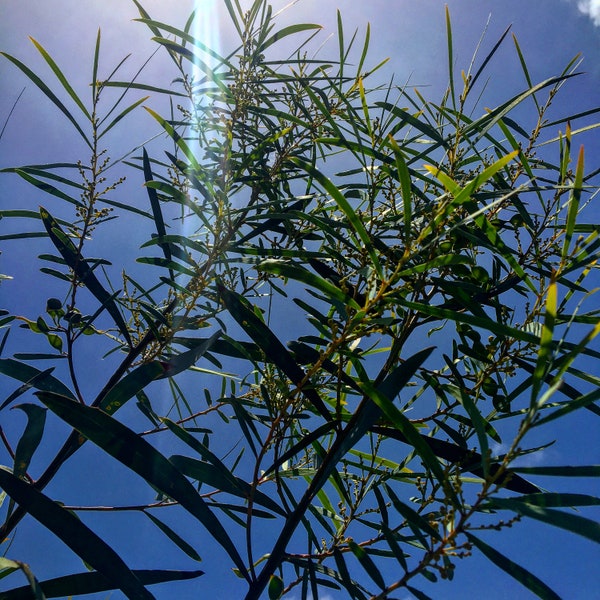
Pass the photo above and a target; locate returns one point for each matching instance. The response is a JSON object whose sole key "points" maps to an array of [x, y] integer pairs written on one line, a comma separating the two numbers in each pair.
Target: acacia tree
{"points": [[377, 298]]}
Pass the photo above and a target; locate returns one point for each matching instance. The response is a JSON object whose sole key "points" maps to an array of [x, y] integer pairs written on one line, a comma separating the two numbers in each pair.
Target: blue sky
{"points": [[412, 34]]}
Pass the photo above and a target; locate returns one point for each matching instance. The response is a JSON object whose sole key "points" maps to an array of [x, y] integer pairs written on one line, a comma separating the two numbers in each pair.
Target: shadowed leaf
{"points": [[139, 456], [82, 540]]}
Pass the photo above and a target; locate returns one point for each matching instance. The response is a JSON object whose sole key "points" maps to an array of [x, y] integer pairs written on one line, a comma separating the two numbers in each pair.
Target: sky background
{"points": [[412, 33]]}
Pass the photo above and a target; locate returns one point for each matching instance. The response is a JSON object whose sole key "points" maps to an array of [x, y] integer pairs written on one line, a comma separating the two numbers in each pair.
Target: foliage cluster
{"points": [[362, 303]]}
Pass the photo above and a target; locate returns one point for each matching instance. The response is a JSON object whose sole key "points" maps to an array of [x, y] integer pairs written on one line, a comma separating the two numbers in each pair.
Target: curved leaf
{"points": [[522, 575], [94, 582], [31, 438], [82, 540], [83, 271], [139, 456]]}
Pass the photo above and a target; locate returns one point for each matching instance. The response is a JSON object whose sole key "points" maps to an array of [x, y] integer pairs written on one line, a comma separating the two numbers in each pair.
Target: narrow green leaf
{"points": [[481, 426], [139, 456], [83, 271], [275, 351], [66, 526], [32, 377], [367, 563], [405, 187], [418, 594], [130, 385], [60, 76], [344, 575], [31, 438], [297, 273], [554, 499], [413, 519], [484, 323], [46, 187], [402, 423], [565, 520], [543, 364], [563, 471], [48, 92], [450, 46], [275, 587], [174, 537], [397, 551], [94, 582], [187, 151], [574, 200], [122, 115], [95, 87], [282, 33], [143, 87], [344, 205], [222, 479], [522, 575], [155, 204]]}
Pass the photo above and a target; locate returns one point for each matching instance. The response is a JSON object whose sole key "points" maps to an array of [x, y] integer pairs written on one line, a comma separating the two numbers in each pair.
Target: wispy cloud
{"points": [[591, 8]]}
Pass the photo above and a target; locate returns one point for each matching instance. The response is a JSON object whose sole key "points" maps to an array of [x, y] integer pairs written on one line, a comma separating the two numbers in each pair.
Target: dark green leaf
{"points": [[82, 540], [139, 456], [563, 519], [275, 587], [31, 438], [367, 562], [94, 582], [522, 575], [174, 537], [275, 351], [83, 271], [32, 377], [222, 479]]}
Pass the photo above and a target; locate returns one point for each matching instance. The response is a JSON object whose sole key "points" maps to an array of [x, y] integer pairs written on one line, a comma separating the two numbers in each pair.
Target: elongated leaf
{"points": [[83, 271], [413, 518], [222, 479], [122, 115], [563, 519], [344, 205], [296, 273], [398, 419], [155, 204], [522, 575], [140, 377], [563, 471], [49, 93], [367, 563], [139, 456], [553, 499], [282, 33], [543, 363], [405, 187], [174, 537], [94, 582], [275, 351], [60, 76], [46, 187], [82, 540], [574, 200], [480, 426], [31, 438], [32, 377]]}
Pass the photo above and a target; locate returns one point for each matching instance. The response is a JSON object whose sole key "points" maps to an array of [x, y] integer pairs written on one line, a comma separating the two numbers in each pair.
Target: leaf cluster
{"points": [[380, 296]]}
